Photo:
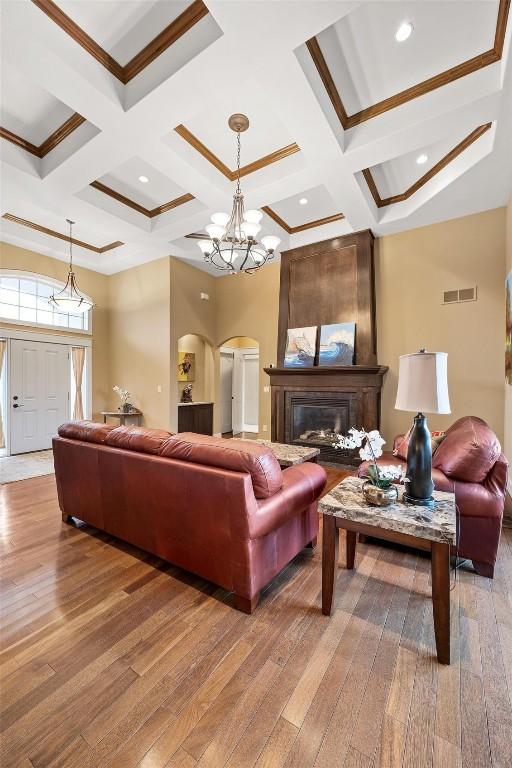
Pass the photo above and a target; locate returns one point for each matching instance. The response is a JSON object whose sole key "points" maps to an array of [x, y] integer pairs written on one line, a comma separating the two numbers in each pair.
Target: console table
{"points": [[122, 416], [433, 530]]}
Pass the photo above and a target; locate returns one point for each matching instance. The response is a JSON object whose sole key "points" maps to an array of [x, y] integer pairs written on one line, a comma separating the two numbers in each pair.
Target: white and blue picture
{"points": [[300, 347], [337, 344]]}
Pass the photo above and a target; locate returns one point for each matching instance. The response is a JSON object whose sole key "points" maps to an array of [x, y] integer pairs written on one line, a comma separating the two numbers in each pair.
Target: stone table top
{"points": [[288, 455], [346, 501]]}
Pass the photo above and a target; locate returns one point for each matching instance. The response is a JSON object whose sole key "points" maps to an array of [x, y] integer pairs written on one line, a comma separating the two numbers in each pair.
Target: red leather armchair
{"points": [[222, 509], [470, 464]]}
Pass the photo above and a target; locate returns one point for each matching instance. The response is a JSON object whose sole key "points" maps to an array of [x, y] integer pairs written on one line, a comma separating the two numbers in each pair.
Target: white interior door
{"points": [[226, 392], [251, 373], [39, 393]]}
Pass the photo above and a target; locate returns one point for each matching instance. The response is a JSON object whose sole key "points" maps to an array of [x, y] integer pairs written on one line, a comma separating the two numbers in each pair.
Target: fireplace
{"points": [[322, 284], [316, 418]]}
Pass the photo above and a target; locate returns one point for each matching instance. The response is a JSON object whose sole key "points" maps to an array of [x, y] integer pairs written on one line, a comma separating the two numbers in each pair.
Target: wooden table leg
{"points": [[441, 599], [351, 548], [330, 538]]}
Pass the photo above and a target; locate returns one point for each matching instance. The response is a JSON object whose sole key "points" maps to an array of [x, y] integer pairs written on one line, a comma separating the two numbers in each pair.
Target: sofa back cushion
{"points": [[87, 431], [137, 439], [237, 455], [469, 450]]}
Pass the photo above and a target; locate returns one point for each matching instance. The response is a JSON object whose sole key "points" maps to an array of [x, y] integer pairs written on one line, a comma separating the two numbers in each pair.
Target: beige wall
{"points": [[93, 284], [140, 339], [412, 270], [248, 305], [189, 314], [241, 342], [508, 387]]}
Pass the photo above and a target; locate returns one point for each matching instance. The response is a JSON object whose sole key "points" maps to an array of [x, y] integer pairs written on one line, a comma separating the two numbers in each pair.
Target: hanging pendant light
{"points": [[232, 244], [70, 299]]}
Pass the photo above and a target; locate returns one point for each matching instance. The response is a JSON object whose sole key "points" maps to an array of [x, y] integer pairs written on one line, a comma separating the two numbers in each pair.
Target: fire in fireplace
{"points": [[316, 419]]}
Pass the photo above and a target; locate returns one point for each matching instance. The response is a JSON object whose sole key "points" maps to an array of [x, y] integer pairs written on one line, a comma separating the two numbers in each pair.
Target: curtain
{"points": [[78, 359], [3, 348]]}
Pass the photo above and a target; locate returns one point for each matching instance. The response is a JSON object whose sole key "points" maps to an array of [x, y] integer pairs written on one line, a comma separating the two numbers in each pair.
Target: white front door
{"points": [[39, 393], [245, 390]]}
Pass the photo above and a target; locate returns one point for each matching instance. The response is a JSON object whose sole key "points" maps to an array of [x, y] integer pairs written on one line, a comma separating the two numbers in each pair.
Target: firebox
{"points": [[316, 418]]}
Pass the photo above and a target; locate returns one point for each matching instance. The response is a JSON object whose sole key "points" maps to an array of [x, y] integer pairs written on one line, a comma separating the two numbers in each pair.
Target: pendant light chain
{"points": [[238, 153], [70, 244]]}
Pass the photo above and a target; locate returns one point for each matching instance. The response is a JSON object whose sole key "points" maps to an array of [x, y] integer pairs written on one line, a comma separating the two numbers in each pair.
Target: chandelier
{"points": [[70, 299], [231, 245]]}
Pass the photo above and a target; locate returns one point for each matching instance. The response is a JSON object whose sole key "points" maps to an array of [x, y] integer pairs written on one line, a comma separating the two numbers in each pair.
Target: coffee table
{"points": [[289, 455], [433, 530]]}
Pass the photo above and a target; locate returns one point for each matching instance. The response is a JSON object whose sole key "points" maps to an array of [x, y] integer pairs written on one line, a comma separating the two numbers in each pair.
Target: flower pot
{"points": [[127, 407], [379, 497]]}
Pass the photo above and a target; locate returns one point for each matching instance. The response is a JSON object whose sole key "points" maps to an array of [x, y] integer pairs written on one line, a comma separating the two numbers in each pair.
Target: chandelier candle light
{"points": [[70, 299], [232, 245]]}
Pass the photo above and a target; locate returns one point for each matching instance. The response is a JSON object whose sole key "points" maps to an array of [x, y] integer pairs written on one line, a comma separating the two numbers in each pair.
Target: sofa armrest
{"points": [[302, 486]]}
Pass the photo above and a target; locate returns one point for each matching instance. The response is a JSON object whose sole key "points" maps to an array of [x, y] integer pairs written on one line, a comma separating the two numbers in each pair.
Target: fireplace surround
{"points": [[327, 282]]}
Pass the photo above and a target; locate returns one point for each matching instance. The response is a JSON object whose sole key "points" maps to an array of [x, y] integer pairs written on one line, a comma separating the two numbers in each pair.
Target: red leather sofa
{"points": [[222, 509], [470, 464]]}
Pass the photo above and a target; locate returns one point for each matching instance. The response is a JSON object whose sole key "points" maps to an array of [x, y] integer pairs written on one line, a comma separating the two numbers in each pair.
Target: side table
{"points": [[433, 530], [122, 416]]}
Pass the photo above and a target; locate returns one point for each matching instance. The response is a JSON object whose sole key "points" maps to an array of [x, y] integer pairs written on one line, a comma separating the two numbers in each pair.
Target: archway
{"points": [[195, 368], [238, 393]]}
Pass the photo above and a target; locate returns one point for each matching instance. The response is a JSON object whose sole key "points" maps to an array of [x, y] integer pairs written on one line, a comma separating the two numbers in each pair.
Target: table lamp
{"points": [[422, 387]]}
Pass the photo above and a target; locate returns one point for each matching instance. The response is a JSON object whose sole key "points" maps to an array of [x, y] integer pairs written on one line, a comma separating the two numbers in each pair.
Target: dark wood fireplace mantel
{"points": [[324, 283], [326, 400]]}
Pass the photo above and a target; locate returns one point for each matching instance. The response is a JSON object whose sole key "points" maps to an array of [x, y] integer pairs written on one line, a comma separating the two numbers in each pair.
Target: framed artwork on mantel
{"points": [[337, 342], [300, 347]]}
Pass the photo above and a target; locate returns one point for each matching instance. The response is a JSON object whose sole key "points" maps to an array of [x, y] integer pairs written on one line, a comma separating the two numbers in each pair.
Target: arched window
{"points": [[24, 299]]}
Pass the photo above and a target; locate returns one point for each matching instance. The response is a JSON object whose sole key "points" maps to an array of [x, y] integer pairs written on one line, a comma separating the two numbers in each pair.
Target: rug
{"points": [[25, 465]]}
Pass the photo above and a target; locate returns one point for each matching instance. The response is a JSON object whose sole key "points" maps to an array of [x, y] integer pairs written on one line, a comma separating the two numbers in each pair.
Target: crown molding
{"points": [[176, 29], [451, 155], [71, 124], [149, 212], [59, 235], [491, 56], [245, 170], [301, 227]]}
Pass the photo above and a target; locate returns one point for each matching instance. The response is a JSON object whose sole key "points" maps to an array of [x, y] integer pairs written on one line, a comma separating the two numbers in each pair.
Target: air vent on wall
{"points": [[463, 294]]}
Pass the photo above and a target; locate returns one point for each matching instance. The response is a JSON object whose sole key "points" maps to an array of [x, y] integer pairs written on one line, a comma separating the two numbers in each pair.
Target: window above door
{"points": [[24, 300]]}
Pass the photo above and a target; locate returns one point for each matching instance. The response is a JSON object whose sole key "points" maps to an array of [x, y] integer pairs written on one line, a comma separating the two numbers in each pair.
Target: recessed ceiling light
{"points": [[421, 159], [303, 201], [403, 32], [143, 179]]}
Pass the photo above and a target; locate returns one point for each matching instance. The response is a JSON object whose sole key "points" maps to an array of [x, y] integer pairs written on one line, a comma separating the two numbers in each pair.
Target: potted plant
{"points": [[379, 487], [124, 396]]}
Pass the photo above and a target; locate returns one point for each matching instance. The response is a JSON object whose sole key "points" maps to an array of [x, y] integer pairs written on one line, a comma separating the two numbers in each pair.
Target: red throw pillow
{"points": [[400, 449]]}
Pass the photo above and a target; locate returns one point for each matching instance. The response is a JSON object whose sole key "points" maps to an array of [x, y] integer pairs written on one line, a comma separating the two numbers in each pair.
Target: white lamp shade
{"points": [[220, 218], [270, 242], [423, 383], [206, 246], [250, 228], [71, 304], [216, 231], [254, 216]]}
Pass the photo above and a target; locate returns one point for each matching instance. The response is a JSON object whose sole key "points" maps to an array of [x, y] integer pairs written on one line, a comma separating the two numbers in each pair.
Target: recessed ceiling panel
{"points": [[367, 63], [318, 205], [265, 134], [122, 27], [157, 190], [27, 110], [395, 176]]}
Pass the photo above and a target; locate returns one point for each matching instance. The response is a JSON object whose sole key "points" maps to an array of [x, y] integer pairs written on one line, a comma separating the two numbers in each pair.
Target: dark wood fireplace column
{"points": [[310, 406]]}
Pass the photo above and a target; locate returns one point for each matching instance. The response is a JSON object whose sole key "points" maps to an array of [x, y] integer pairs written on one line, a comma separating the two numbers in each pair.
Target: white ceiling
{"points": [[319, 205], [125, 179], [370, 65], [27, 110], [246, 56], [123, 28]]}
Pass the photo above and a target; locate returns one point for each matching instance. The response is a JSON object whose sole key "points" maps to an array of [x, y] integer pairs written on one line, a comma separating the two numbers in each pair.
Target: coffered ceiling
{"points": [[350, 128]]}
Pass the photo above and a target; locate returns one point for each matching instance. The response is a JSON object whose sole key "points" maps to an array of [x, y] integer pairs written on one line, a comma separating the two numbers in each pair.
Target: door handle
{"points": [[17, 405]]}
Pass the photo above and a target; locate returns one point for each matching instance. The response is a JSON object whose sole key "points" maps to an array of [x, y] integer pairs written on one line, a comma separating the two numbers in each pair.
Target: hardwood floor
{"points": [[110, 657]]}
